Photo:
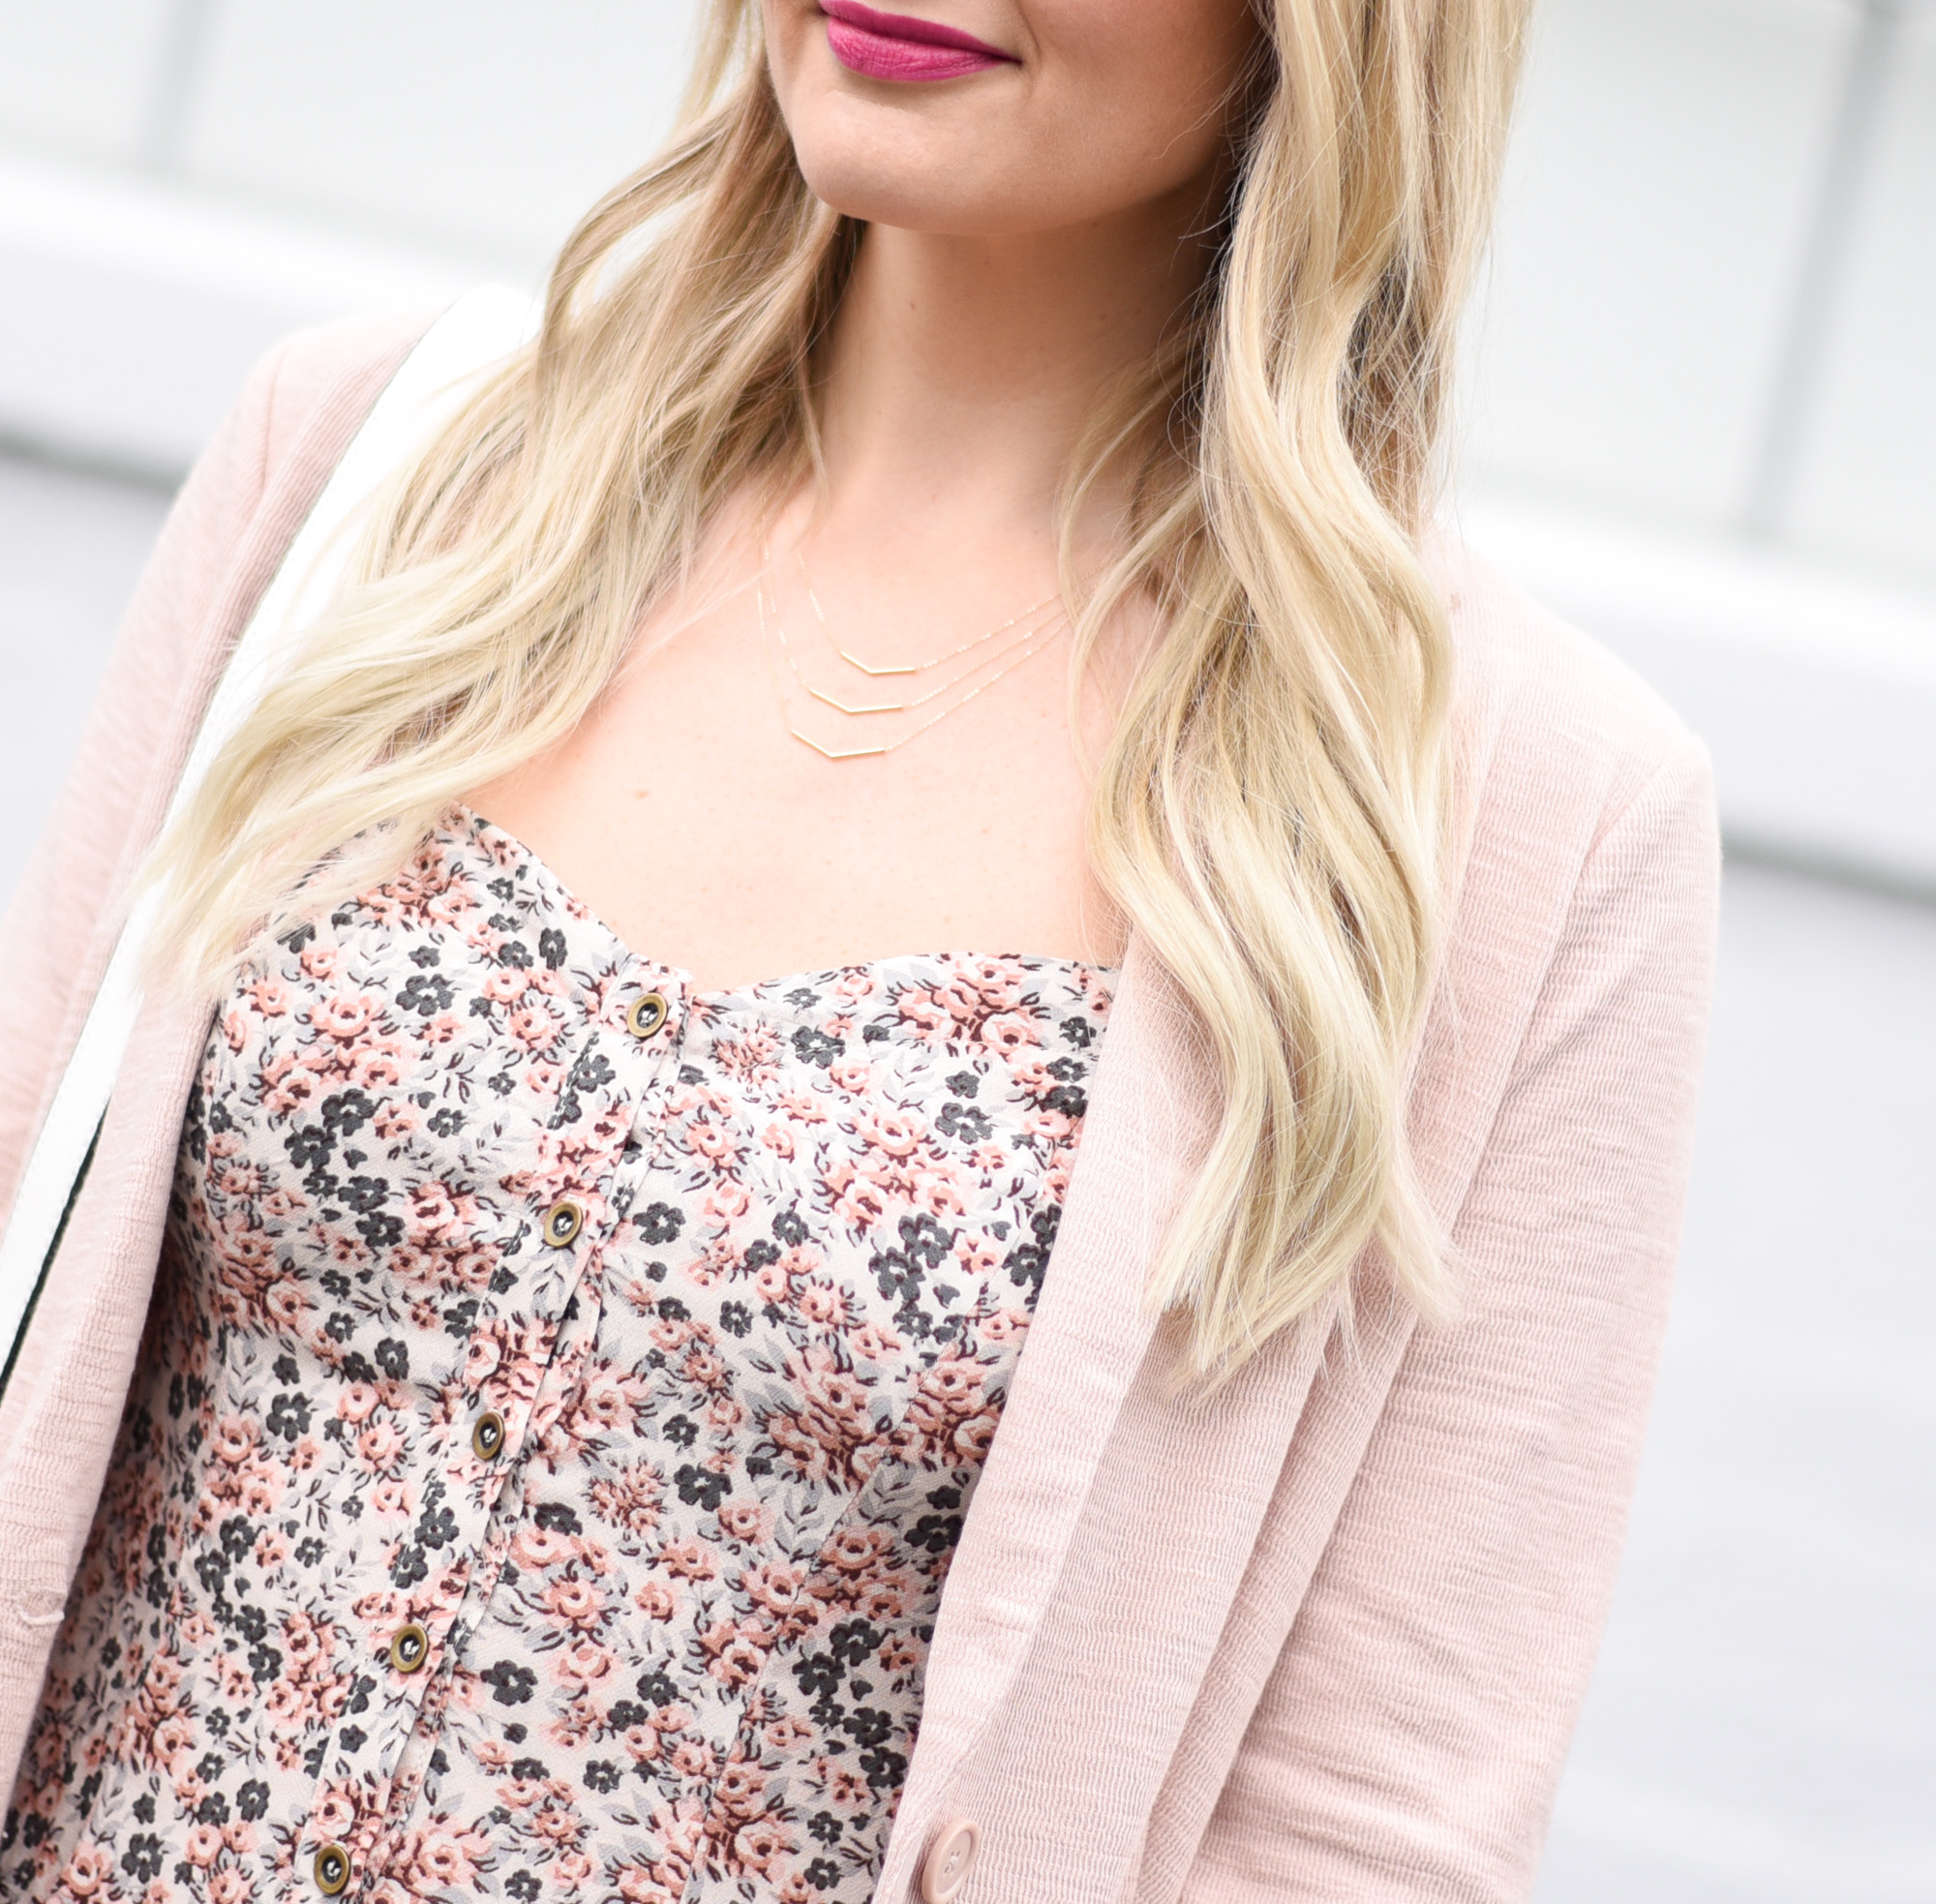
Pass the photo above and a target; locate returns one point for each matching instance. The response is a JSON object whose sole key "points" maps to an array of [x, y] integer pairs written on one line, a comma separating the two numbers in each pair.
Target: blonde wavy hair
{"points": [[1270, 810]]}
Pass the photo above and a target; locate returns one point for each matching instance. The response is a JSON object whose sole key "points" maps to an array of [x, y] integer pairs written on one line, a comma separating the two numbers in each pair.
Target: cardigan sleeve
{"points": [[48, 942], [1410, 1737], [224, 536]]}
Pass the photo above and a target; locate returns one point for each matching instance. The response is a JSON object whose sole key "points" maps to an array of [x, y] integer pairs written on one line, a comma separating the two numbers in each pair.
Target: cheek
{"points": [[1143, 84]]}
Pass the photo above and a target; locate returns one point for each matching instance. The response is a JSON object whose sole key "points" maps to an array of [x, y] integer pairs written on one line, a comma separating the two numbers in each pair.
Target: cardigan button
{"points": [[949, 1860]]}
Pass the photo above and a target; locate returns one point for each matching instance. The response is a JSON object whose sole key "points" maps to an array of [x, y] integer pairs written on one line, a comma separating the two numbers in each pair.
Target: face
{"points": [[985, 117]]}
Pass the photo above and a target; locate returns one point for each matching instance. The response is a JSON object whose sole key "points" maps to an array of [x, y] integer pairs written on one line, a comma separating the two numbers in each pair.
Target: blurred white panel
{"points": [[80, 73], [1814, 686], [131, 309], [1868, 482], [1655, 207], [494, 122]]}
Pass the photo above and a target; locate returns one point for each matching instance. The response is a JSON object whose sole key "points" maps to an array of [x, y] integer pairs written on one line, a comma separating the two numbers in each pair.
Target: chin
{"points": [[918, 196]]}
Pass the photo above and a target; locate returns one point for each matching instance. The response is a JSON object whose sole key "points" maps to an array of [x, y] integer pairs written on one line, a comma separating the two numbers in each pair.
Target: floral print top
{"points": [[561, 1400]]}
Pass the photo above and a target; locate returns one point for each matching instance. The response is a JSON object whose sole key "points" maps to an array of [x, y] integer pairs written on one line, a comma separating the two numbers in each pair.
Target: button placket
{"points": [[562, 1297], [400, 1686], [414, 1767], [495, 1496], [657, 1053], [410, 1704]]}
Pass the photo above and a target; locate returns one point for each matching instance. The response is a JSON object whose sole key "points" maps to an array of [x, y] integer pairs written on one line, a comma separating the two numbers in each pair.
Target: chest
{"points": [[685, 810]]}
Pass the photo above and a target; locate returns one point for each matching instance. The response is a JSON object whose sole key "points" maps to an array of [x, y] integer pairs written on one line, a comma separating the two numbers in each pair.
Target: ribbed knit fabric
{"points": [[1319, 1637]]}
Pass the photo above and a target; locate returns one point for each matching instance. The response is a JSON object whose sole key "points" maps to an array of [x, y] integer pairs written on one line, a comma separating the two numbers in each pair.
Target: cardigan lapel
{"points": [[1150, 1117]]}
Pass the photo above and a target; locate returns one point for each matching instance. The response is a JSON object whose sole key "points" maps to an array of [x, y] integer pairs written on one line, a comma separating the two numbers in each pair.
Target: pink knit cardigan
{"points": [[1321, 1636]]}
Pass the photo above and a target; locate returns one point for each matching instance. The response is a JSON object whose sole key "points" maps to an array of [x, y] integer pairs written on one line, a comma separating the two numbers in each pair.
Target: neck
{"points": [[962, 369]]}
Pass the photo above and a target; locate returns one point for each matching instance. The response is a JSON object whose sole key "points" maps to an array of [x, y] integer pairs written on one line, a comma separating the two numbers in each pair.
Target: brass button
{"points": [[409, 1649], [562, 1222], [332, 1870], [649, 1012], [487, 1438]]}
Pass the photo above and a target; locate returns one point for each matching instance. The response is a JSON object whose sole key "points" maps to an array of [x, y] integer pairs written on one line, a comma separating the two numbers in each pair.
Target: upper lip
{"points": [[905, 26]]}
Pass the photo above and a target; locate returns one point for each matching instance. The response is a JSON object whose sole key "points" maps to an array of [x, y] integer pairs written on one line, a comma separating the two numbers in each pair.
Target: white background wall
{"points": [[1659, 242], [1703, 409], [1659, 239], [1703, 394], [1701, 349]]}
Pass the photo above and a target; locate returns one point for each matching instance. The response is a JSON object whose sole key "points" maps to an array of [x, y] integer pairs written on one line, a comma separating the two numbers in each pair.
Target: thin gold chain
{"points": [[1032, 643], [915, 667], [952, 681]]}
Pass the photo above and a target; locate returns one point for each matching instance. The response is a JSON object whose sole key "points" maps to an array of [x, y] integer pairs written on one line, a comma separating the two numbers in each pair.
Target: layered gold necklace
{"points": [[964, 672]]}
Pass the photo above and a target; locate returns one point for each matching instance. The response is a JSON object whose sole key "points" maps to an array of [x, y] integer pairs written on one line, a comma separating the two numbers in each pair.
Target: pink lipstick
{"points": [[880, 45]]}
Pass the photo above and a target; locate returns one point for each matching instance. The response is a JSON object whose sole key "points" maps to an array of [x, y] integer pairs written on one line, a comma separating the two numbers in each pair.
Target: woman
{"points": [[972, 492]]}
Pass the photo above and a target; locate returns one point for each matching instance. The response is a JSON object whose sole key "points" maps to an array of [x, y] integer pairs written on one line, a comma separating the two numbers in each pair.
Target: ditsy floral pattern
{"points": [[677, 1627]]}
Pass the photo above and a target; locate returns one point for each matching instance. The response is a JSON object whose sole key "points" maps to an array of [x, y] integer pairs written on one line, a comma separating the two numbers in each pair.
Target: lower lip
{"points": [[881, 56]]}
